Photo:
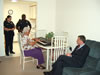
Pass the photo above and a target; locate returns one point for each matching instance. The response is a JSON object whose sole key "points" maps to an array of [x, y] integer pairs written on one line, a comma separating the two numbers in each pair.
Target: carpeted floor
{"points": [[12, 66]]}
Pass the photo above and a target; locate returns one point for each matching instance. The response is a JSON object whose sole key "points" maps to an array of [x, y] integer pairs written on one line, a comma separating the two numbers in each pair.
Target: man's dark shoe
{"points": [[12, 52], [7, 54], [46, 73], [40, 67]]}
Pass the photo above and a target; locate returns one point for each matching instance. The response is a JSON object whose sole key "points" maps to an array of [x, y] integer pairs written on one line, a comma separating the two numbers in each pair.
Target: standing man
{"points": [[22, 23], [76, 59], [9, 28]]}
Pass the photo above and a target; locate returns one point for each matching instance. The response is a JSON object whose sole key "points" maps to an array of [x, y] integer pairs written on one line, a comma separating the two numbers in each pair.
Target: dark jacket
{"points": [[21, 24], [9, 25], [79, 55]]}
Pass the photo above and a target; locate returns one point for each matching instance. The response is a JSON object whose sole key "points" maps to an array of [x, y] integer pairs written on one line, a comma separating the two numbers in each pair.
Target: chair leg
{"points": [[37, 61], [23, 63], [20, 59], [50, 65], [33, 60]]}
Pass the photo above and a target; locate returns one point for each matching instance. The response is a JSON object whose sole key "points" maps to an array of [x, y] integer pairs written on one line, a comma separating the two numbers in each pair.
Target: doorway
{"points": [[16, 9]]}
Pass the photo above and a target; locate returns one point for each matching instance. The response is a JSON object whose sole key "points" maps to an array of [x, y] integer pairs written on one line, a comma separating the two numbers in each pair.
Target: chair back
{"points": [[20, 44]]}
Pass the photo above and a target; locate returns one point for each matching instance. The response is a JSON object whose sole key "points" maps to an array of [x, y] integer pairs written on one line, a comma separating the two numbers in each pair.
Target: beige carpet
{"points": [[11, 66]]}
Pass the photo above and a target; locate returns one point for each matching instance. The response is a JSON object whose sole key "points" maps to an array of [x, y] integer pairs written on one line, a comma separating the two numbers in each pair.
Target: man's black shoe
{"points": [[7, 54], [46, 73], [12, 52]]}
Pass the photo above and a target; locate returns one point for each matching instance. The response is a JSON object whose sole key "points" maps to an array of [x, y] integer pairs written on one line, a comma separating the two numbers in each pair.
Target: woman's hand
{"points": [[7, 29], [33, 38], [37, 40], [33, 43]]}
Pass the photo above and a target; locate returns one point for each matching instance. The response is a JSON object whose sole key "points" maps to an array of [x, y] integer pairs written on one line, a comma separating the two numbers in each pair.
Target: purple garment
{"points": [[35, 53]]}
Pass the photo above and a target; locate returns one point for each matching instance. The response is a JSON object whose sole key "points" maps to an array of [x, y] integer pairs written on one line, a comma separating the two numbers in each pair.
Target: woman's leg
{"points": [[6, 45], [11, 44], [35, 53]]}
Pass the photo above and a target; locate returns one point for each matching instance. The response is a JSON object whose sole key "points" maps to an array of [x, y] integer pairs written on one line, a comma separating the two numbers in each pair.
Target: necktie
{"points": [[78, 47]]}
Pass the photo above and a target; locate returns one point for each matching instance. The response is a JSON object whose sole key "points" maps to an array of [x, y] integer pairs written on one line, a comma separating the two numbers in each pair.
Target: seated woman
{"points": [[30, 48]]}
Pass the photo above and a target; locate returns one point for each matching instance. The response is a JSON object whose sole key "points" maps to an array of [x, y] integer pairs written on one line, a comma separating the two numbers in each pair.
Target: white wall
{"points": [[2, 51], [45, 14], [78, 17]]}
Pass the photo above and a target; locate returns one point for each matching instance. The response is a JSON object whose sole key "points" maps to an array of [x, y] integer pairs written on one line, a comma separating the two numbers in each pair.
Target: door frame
{"points": [[2, 48]]}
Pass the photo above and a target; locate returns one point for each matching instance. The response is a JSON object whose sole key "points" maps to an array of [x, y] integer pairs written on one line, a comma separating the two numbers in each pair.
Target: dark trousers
{"points": [[62, 61], [8, 44]]}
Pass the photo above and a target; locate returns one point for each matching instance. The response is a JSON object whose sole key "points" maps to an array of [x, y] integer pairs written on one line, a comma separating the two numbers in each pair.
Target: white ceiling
{"points": [[21, 1]]}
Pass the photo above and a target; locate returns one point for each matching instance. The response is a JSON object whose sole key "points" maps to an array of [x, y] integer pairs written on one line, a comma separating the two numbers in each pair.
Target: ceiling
{"points": [[21, 1]]}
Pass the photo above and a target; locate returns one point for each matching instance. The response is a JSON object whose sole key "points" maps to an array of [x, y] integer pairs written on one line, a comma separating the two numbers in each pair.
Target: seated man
{"points": [[76, 59]]}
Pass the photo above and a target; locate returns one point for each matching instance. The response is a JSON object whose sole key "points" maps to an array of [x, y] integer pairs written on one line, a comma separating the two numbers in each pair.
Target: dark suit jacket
{"points": [[79, 56]]}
